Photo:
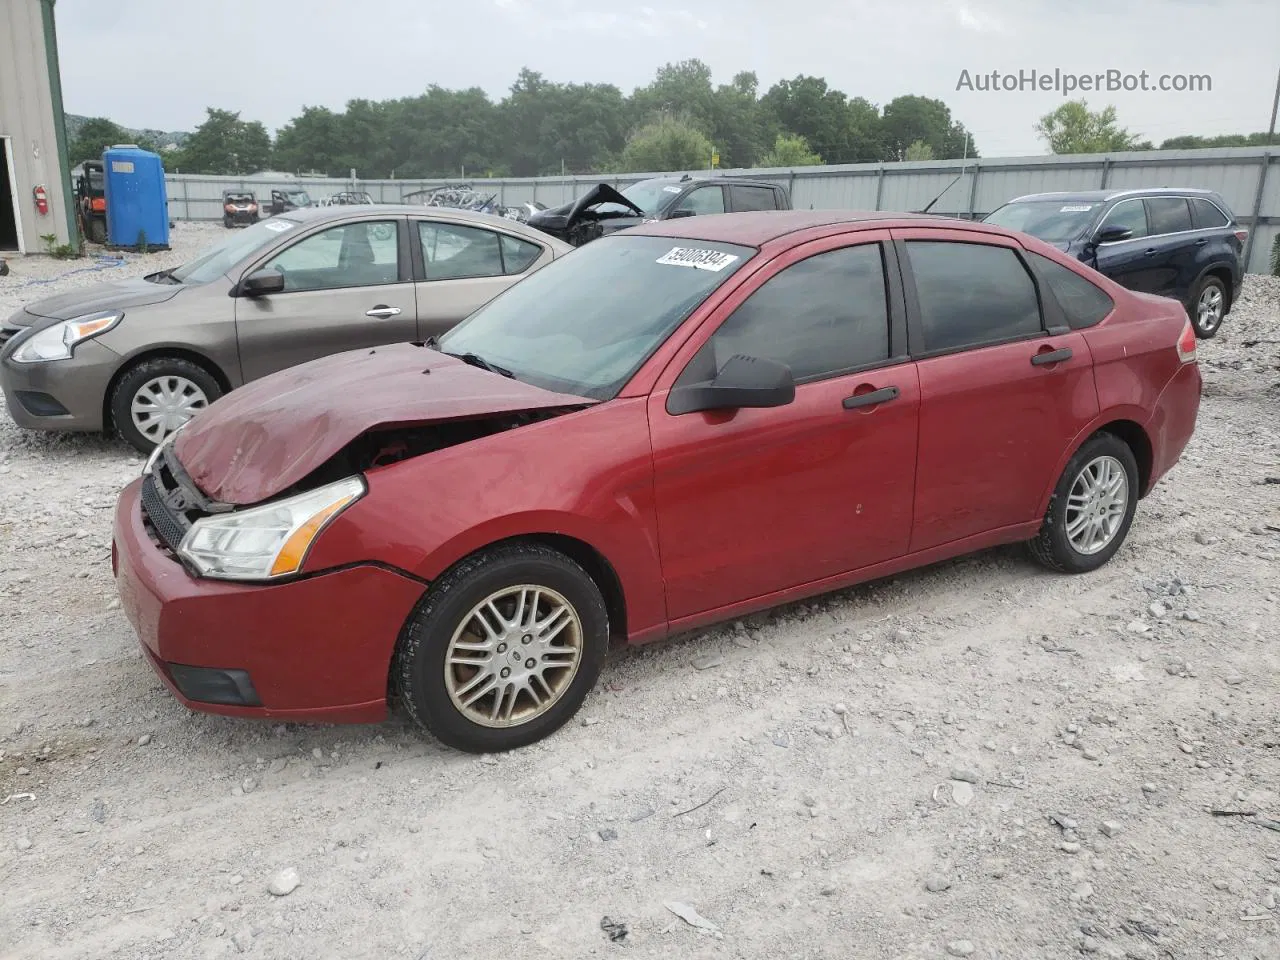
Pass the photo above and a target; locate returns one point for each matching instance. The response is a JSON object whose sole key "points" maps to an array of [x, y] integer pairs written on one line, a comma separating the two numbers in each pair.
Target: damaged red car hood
{"points": [[266, 436]]}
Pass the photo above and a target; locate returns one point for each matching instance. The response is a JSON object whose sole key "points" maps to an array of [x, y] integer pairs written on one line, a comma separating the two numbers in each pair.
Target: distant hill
{"points": [[160, 138]]}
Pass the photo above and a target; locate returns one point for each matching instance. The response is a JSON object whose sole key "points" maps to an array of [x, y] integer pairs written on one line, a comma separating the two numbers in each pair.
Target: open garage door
{"points": [[9, 241]]}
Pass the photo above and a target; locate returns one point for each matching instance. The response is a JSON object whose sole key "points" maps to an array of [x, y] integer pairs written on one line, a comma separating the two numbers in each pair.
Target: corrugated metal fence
{"points": [[1247, 177]]}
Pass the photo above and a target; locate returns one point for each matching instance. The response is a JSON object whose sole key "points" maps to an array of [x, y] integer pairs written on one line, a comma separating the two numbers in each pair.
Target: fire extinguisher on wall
{"points": [[42, 201]]}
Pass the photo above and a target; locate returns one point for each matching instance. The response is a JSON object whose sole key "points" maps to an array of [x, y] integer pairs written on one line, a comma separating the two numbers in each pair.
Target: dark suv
{"points": [[1175, 242], [603, 209]]}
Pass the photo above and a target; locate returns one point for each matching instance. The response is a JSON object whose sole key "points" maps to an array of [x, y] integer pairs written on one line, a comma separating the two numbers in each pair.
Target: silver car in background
{"points": [[144, 355]]}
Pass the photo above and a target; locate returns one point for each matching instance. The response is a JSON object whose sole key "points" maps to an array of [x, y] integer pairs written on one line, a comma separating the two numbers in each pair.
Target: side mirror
{"points": [[680, 214], [742, 382], [1112, 234], [262, 283]]}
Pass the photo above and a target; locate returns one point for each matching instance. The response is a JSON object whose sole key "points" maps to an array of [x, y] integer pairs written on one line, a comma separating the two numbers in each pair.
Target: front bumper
{"points": [[315, 650], [60, 394]]}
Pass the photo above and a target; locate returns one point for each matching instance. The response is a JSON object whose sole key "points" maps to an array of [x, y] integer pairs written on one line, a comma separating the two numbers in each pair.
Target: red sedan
{"points": [[675, 425]]}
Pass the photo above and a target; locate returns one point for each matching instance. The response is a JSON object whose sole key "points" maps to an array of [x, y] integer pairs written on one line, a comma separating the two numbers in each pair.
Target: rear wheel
{"points": [[157, 396], [504, 648], [1091, 509], [1208, 307], [97, 230]]}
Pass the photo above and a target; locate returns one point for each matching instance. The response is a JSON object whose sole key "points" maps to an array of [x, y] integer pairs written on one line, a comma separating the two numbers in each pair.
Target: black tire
{"points": [[1207, 329], [1053, 547], [226, 222], [418, 670], [97, 230], [128, 385]]}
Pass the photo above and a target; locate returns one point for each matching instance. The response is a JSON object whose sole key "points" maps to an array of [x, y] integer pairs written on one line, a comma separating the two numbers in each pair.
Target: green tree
{"points": [[310, 142], [840, 129], [95, 135], [789, 150], [679, 89], [1226, 140], [664, 145], [1074, 128], [547, 126], [919, 150], [909, 119], [225, 144], [741, 128]]}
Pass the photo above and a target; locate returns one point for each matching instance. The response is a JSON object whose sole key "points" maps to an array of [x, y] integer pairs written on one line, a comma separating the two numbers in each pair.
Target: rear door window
{"points": [[753, 198], [1168, 215], [451, 251], [1083, 303], [1206, 215], [971, 294]]}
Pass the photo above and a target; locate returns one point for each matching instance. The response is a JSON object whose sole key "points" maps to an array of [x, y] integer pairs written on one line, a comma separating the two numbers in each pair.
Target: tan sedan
{"points": [[143, 356]]}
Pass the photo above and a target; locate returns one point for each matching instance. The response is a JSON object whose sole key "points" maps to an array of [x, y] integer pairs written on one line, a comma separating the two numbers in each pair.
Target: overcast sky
{"points": [[158, 63]]}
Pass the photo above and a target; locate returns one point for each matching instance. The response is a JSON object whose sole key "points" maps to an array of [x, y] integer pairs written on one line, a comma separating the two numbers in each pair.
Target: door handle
{"points": [[1202, 241], [1051, 356], [382, 312], [1150, 252], [883, 395]]}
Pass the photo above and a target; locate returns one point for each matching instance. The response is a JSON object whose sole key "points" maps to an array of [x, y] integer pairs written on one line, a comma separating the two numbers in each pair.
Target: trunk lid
{"points": [[266, 436]]}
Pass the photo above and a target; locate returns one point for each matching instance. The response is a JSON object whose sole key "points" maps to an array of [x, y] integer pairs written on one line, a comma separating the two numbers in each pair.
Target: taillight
{"points": [[1242, 236], [230, 208], [1187, 343]]}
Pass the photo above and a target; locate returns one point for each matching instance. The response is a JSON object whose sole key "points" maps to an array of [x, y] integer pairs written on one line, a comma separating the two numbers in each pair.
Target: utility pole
{"points": [[1275, 107]]}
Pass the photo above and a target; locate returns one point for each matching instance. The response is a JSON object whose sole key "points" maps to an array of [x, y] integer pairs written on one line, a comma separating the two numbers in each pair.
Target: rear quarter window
{"points": [[1205, 215], [1083, 303]]}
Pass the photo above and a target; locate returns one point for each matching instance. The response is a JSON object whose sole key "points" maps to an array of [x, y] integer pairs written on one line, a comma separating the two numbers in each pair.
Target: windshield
{"points": [[651, 196], [298, 198], [97, 181], [585, 323], [222, 256], [1054, 221]]}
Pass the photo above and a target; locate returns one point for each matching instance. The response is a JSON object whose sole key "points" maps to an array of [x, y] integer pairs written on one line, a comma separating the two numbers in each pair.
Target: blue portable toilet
{"points": [[137, 202]]}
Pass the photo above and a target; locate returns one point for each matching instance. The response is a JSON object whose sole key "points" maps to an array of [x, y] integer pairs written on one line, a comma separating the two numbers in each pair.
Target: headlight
{"points": [[268, 541], [57, 342]]}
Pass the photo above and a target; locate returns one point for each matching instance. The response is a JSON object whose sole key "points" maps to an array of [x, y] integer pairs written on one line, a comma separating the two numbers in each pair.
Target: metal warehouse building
{"points": [[35, 184]]}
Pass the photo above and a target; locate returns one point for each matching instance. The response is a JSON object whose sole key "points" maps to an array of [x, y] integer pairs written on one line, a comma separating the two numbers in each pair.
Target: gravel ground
{"points": [[979, 759]]}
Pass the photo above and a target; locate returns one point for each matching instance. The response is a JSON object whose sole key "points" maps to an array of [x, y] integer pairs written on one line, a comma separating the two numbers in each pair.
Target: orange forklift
{"points": [[91, 201]]}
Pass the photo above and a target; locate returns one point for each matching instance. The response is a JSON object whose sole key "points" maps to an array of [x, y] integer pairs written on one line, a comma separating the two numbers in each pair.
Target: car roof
{"points": [[338, 212], [1101, 196], [757, 228], [691, 179]]}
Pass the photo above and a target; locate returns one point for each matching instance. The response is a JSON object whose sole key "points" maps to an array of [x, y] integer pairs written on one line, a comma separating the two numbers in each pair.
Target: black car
{"points": [[288, 199], [605, 210], [1174, 242], [239, 208]]}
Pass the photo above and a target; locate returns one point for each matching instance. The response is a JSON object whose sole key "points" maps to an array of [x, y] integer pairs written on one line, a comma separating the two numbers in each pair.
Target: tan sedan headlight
{"points": [[59, 341]]}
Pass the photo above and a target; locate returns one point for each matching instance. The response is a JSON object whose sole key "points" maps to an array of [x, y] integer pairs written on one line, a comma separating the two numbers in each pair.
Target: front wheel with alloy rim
{"points": [[1091, 509], [1208, 307], [154, 398], [503, 649]]}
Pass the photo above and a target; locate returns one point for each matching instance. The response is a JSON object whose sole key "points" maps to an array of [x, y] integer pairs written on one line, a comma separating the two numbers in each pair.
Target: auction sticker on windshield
{"points": [[1077, 208], [699, 259], [277, 225]]}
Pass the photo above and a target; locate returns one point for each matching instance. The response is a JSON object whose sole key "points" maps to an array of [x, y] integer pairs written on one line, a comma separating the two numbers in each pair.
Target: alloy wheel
{"points": [[513, 656], [1096, 505], [1209, 308]]}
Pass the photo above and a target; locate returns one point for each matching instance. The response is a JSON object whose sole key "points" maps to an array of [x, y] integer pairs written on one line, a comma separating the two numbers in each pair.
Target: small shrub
{"points": [[142, 241], [59, 251]]}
